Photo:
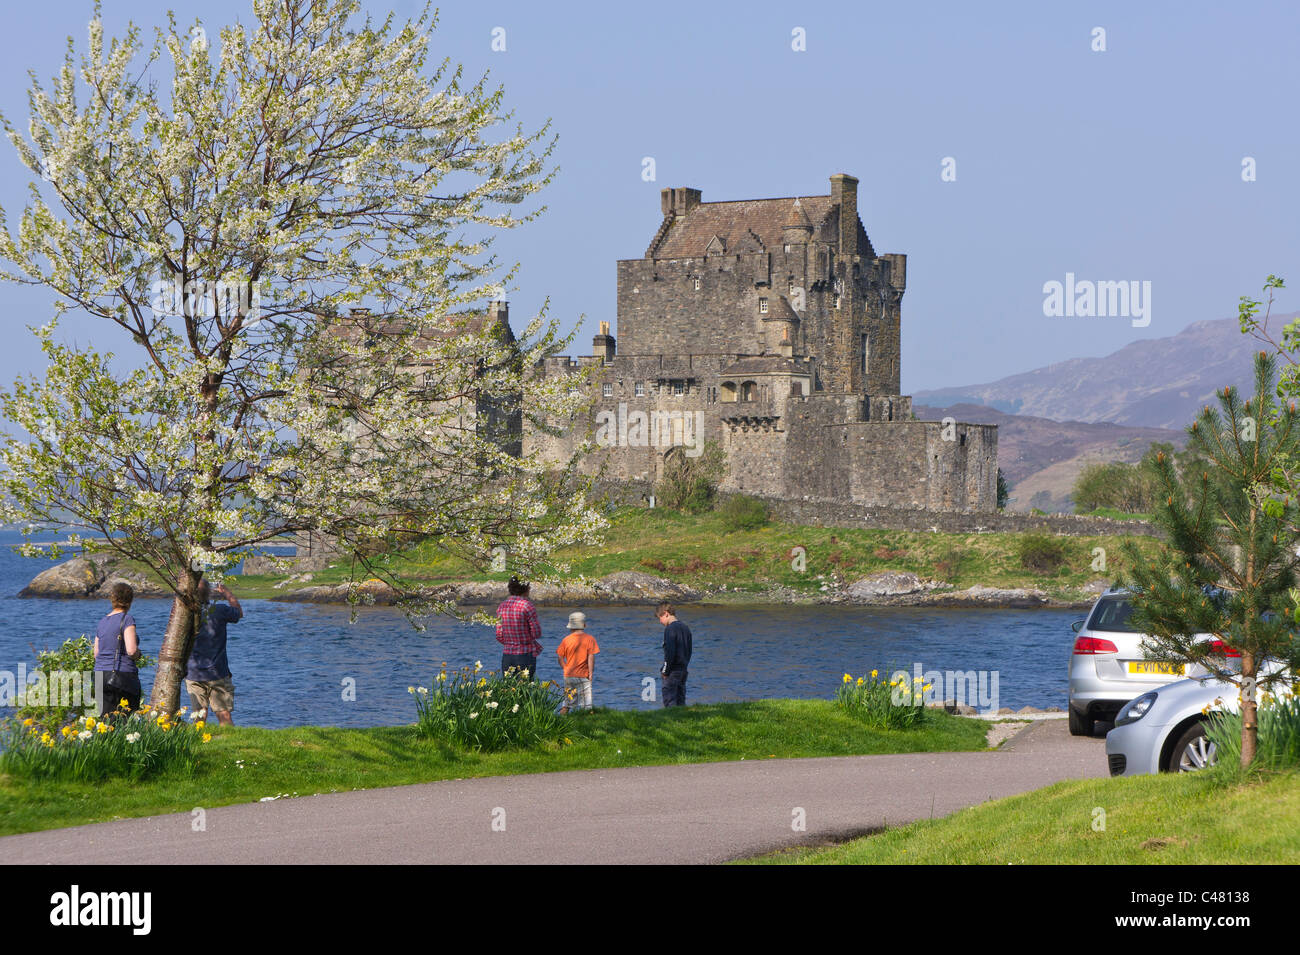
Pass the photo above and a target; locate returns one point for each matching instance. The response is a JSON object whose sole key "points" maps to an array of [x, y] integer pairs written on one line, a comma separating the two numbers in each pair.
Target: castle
{"points": [[770, 326]]}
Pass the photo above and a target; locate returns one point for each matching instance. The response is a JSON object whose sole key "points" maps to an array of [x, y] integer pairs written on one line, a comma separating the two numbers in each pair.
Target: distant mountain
{"points": [[1041, 458], [1155, 383]]}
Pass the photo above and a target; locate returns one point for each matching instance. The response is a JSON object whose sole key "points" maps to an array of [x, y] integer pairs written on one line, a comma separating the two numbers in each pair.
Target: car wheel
{"points": [[1080, 725], [1193, 751]]}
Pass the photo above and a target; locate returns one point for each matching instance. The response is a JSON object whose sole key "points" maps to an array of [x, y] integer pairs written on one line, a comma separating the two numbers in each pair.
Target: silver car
{"points": [[1164, 730], [1108, 666]]}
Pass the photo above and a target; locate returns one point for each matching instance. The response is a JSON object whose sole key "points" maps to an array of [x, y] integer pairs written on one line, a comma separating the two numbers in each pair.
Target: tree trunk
{"points": [[1249, 711], [178, 641]]}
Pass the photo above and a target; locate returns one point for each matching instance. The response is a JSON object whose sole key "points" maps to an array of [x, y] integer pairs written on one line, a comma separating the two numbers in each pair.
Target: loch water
{"points": [[293, 664]]}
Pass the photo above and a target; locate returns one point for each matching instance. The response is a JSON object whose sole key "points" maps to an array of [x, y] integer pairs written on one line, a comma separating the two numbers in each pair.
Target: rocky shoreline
{"points": [[92, 577]]}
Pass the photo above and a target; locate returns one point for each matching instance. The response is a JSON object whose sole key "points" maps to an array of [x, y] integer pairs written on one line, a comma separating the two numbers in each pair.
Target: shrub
{"points": [[886, 706], [950, 562], [1278, 738], [51, 708], [740, 512], [486, 711], [141, 745], [1041, 554], [689, 484]]}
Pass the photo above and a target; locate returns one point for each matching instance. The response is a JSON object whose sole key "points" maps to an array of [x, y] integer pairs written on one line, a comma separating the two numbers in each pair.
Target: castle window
{"points": [[762, 306], [789, 285], [607, 390], [796, 389], [679, 387], [787, 248], [728, 391], [749, 391], [866, 354], [639, 389], [696, 282]]}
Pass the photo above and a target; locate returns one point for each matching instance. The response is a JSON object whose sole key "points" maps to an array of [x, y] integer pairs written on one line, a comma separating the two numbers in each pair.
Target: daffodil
{"points": [[28, 722], [874, 674], [859, 681], [207, 737], [200, 724], [102, 728], [515, 708], [66, 731], [85, 734], [132, 737], [493, 705], [90, 722], [847, 678], [478, 665], [473, 716]]}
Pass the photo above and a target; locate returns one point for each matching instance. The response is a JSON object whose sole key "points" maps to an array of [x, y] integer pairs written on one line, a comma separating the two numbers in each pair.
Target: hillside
{"points": [[1154, 383], [1041, 458]]}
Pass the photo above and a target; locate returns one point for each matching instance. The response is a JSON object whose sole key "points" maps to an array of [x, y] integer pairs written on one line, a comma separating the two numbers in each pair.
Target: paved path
{"points": [[707, 812]]}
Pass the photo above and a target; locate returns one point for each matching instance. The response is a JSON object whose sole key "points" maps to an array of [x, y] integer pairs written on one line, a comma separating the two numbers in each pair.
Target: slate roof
{"points": [[689, 236]]}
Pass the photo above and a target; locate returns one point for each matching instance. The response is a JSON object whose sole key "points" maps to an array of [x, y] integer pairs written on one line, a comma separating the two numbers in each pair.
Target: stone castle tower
{"points": [[771, 326]]}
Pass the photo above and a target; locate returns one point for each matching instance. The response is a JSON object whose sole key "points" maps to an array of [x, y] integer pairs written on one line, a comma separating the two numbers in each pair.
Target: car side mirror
{"points": [[1077, 625]]}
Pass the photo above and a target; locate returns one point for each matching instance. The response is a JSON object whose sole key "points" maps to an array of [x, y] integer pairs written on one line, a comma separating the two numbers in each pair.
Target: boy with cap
{"points": [[577, 653]]}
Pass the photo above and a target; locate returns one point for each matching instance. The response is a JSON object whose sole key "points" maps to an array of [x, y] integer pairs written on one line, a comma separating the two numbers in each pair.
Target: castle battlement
{"points": [[774, 326]]}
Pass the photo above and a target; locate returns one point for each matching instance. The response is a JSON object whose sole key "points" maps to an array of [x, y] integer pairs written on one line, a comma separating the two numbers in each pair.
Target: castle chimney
{"points": [[603, 345], [679, 201], [844, 193], [499, 311]]}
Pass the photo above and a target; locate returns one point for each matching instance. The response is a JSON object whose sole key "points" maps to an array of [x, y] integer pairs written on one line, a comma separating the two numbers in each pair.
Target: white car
{"points": [[1108, 666]]}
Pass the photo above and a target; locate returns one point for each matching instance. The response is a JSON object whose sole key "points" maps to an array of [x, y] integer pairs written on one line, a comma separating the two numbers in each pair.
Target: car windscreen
{"points": [[1113, 614]]}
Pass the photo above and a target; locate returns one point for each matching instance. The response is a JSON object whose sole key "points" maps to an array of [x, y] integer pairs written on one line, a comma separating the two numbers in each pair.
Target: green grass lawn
{"points": [[314, 759], [699, 550], [1183, 819]]}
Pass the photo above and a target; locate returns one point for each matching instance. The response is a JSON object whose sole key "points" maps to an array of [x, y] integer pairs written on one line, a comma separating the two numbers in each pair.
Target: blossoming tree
{"points": [[285, 242]]}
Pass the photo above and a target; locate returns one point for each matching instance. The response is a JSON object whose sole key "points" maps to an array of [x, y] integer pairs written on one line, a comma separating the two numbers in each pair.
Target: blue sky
{"points": [[1117, 165]]}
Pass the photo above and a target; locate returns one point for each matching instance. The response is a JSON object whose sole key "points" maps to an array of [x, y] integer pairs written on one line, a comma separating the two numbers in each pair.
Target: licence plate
{"points": [[1151, 668]]}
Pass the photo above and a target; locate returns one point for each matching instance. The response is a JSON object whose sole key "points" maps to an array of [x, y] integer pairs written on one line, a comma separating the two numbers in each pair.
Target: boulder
{"points": [[636, 586], [79, 577], [143, 585], [888, 583]]}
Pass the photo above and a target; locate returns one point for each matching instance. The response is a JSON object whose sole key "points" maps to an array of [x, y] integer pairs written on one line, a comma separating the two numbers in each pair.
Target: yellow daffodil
{"points": [[847, 678], [199, 724], [207, 737], [859, 681], [874, 674], [102, 728], [28, 722], [90, 722], [66, 731]]}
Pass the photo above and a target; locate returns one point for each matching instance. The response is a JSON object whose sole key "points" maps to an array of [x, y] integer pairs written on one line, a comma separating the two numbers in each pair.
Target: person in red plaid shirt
{"points": [[518, 631]]}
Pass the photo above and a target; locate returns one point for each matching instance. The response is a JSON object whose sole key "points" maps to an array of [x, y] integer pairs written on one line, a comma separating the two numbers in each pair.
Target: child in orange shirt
{"points": [[577, 654]]}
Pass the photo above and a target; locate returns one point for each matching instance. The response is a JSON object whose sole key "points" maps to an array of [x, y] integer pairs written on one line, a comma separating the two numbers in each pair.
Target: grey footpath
{"points": [[699, 813]]}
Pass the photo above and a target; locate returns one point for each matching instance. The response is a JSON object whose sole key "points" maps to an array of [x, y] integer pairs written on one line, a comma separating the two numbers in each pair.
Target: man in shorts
{"points": [[207, 675]]}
